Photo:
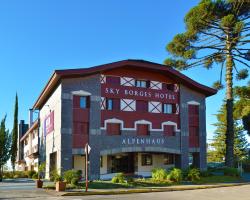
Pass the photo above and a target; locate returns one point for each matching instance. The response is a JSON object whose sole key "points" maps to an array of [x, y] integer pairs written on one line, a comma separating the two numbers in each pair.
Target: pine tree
{"points": [[5, 145], [14, 135], [217, 32], [218, 152]]}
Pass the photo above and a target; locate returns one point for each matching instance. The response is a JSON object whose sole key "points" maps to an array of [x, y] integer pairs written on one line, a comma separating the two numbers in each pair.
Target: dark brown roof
{"points": [[71, 73]]}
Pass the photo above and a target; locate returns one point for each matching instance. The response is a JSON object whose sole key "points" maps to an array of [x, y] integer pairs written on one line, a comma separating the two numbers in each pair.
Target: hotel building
{"points": [[135, 115]]}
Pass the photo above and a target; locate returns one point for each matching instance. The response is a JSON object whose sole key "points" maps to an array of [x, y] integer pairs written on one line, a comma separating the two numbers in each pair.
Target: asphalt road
{"points": [[17, 192]]}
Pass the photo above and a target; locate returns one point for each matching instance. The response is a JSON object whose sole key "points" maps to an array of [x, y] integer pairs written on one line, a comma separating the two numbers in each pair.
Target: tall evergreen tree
{"points": [[5, 145], [217, 31], [218, 152], [14, 135]]}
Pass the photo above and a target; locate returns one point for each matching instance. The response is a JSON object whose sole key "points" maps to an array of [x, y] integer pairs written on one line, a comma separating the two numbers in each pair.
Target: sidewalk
{"points": [[78, 192]]}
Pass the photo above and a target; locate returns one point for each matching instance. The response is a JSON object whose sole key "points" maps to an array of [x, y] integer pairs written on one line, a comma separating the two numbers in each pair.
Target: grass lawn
{"points": [[218, 179]]}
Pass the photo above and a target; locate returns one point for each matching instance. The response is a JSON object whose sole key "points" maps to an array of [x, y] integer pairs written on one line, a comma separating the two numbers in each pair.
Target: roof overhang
{"points": [[34, 126]]}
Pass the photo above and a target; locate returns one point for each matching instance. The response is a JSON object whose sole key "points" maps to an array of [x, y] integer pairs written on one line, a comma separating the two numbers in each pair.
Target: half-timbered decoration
{"points": [[135, 115]]}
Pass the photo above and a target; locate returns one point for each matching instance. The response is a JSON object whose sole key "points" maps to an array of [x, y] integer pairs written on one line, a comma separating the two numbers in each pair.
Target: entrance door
{"points": [[122, 163], [52, 162]]}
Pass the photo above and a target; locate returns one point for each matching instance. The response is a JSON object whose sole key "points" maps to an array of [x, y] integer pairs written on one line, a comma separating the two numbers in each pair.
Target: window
{"points": [[101, 161], [80, 102], [146, 159], [113, 129], [142, 129], [167, 108], [168, 159], [141, 106], [141, 83], [109, 104], [83, 102]]}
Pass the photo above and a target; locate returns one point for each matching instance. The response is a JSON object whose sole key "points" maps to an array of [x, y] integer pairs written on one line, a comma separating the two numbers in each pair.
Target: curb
{"points": [[148, 190]]}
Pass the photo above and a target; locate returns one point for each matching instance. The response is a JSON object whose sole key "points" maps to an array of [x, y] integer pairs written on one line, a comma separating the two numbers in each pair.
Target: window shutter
{"points": [[169, 130], [142, 106], [142, 129], [113, 129], [115, 80], [76, 101], [116, 104]]}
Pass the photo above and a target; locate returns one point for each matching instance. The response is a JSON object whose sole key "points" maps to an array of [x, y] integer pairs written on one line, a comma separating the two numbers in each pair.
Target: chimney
{"points": [[30, 117]]}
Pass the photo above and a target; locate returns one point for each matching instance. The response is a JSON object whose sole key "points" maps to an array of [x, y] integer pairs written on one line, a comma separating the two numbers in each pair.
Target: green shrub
{"points": [[20, 174], [31, 173], [159, 174], [118, 178], [35, 176], [229, 171], [53, 175], [58, 178], [16, 176], [130, 179], [193, 175], [175, 175], [74, 181], [71, 174]]}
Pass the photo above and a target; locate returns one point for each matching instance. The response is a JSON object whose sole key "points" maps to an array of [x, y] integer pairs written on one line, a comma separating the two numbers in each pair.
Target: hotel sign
{"points": [[139, 93], [49, 123], [142, 141]]}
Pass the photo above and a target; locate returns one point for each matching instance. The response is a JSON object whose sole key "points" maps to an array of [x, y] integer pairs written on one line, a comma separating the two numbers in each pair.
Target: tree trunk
{"points": [[229, 107]]}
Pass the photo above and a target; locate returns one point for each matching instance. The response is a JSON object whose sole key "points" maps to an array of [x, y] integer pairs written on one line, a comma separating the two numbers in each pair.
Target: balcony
{"points": [[34, 152]]}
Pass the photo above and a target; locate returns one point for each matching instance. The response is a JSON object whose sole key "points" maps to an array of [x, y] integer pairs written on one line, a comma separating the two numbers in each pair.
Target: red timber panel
{"points": [[136, 93], [113, 128], [169, 130], [139, 74], [117, 91], [141, 106], [130, 117], [193, 121], [80, 124], [142, 129], [115, 80], [116, 104]]}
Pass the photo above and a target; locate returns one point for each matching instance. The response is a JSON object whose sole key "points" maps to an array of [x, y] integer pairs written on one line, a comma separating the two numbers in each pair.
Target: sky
{"points": [[37, 37]]}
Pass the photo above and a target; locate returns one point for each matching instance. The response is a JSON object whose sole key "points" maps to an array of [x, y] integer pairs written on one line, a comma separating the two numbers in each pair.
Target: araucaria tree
{"points": [[217, 32], [14, 135], [5, 145]]}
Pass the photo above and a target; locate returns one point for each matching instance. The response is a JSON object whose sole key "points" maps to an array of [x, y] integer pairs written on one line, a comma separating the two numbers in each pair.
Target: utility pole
{"points": [[87, 150]]}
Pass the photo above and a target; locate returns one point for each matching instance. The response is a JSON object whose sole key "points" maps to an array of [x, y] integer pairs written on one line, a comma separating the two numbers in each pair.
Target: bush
{"points": [[159, 174], [175, 175], [31, 173], [58, 178], [53, 175], [118, 178], [35, 176], [74, 181], [70, 175], [130, 179], [21, 174], [229, 171], [193, 175]]}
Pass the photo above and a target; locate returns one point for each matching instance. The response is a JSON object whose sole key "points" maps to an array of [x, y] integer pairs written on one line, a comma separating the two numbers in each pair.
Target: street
{"points": [[27, 190]]}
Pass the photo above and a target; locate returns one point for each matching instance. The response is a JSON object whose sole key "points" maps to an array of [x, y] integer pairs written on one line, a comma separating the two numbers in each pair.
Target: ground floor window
{"points": [[168, 159], [146, 159]]}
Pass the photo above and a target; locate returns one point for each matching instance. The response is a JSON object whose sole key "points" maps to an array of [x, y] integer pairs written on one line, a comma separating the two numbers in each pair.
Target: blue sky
{"points": [[37, 37]]}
